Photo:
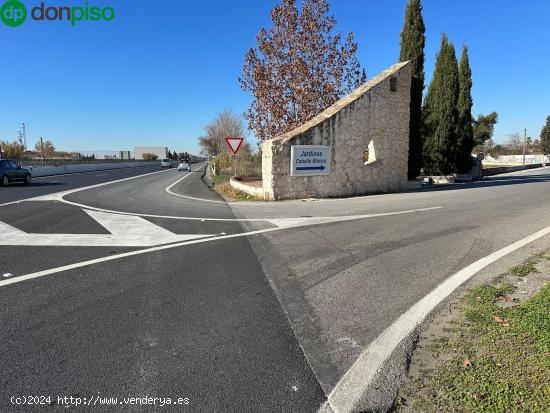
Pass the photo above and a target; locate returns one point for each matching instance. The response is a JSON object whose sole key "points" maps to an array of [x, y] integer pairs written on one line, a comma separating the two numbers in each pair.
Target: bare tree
{"points": [[515, 141], [226, 125], [45, 148], [300, 68]]}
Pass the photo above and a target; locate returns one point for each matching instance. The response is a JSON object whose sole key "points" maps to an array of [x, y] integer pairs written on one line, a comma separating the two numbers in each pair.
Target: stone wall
{"points": [[372, 118]]}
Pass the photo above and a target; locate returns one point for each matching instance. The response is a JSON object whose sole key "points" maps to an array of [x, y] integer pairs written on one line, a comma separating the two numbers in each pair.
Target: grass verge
{"points": [[494, 358], [227, 192]]}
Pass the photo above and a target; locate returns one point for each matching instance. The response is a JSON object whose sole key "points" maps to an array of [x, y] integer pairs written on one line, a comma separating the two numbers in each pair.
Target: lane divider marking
{"points": [[57, 195], [43, 273], [351, 387], [168, 189]]}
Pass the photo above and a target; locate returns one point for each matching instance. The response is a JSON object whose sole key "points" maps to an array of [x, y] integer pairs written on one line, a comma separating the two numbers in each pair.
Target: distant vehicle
{"points": [[184, 166], [11, 172], [166, 163]]}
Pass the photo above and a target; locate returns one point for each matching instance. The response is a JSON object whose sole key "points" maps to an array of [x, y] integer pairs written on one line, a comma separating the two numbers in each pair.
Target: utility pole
{"points": [[24, 128], [42, 147], [524, 144]]}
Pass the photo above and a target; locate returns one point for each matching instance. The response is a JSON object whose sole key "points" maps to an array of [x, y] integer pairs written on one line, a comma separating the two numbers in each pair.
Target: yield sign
{"points": [[234, 144]]}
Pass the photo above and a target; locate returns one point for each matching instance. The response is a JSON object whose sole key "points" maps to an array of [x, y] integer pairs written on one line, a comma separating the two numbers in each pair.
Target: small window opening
{"points": [[393, 84]]}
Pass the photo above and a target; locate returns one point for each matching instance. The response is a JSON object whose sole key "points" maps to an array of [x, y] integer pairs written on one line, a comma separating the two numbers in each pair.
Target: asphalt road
{"points": [[237, 307], [56, 183], [199, 322]]}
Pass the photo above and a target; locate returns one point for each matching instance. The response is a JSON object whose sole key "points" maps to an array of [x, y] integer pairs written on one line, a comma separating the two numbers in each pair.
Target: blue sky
{"points": [[160, 71]]}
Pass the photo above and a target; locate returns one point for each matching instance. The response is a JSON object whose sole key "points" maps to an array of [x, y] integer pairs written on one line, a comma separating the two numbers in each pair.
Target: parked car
{"points": [[10, 171], [184, 166], [166, 163]]}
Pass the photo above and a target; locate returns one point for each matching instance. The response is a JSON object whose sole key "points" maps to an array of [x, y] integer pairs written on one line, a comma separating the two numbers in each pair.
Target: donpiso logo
{"points": [[13, 13]]}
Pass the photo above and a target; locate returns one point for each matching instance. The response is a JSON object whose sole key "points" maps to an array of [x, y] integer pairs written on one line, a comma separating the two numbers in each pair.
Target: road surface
{"points": [[152, 286]]}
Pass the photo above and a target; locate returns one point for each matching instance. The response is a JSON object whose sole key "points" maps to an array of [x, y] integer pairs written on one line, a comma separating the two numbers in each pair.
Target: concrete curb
{"points": [[247, 189], [206, 178], [373, 381], [210, 184], [39, 172]]}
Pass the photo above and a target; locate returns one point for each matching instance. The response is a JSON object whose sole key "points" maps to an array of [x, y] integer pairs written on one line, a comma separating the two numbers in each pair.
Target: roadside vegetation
{"points": [[495, 357], [223, 188], [227, 192]]}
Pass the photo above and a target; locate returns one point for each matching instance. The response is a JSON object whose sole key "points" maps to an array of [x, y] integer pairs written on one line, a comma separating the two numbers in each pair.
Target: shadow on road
{"points": [[40, 184], [490, 182]]}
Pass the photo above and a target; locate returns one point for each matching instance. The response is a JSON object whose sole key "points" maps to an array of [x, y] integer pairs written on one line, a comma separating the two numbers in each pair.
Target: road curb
{"points": [[369, 385], [87, 172], [206, 179]]}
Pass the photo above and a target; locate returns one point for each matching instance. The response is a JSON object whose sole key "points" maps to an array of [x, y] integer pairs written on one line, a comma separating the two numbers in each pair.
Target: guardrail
{"points": [[66, 162]]}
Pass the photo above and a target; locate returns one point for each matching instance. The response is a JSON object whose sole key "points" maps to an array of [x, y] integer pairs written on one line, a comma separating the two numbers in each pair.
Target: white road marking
{"points": [[348, 391], [168, 189], [6, 229], [274, 221], [181, 244], [125, 170], [129, 225], [137, 214], [57, 196], [93, 240], [125, 231]]}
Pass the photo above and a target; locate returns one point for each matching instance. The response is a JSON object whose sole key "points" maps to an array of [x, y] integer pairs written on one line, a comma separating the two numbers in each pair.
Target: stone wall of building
{"points": [[369, 134]]}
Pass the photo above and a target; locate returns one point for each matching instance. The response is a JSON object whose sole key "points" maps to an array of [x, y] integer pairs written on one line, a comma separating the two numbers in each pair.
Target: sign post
{"points": [[309, 160], [234, 146]]}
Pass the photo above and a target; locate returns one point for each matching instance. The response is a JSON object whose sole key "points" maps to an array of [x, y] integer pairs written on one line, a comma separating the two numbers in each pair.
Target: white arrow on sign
{"points": [[125, 231]]}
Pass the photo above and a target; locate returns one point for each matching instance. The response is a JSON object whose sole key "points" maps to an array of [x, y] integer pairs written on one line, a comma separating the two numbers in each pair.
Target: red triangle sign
{"points": [[234, 144]]}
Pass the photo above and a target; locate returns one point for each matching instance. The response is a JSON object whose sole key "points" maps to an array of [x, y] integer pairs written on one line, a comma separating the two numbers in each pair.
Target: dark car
{"points": [[11, 172]]}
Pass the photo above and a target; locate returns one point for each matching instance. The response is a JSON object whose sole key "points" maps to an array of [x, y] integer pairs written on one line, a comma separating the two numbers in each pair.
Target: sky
{"points": [[158, 72]]}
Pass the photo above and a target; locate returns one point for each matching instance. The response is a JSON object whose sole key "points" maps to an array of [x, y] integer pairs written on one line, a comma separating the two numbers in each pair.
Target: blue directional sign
{"points": [[309, 160]]}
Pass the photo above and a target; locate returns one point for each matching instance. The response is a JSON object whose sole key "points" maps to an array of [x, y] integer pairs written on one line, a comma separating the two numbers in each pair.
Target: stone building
{"points": [[367, 135]]}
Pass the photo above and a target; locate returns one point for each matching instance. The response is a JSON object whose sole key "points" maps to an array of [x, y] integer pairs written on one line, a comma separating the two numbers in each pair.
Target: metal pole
{"points": [[524, 144], [25, 136]]}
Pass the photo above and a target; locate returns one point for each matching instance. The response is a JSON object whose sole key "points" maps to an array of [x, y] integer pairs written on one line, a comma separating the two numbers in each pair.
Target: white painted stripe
{"points": [[348, 391], [94, 240], [56, 196], [125, 231], [292, 222], [125, 170], [6, 229], [176, 245], [112, 211], [283, 221], [118, 224], [168, 189]]}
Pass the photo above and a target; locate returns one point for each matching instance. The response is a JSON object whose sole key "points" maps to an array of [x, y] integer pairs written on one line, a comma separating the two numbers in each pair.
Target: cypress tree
{"points": [[363, 79], [545, 137], [465, 132], [412, 49], [440, 115]]}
